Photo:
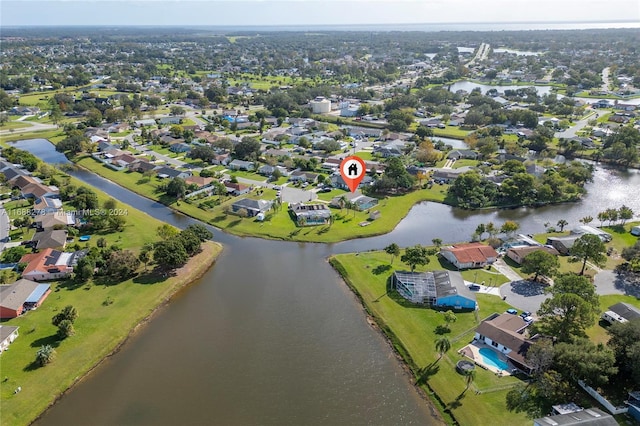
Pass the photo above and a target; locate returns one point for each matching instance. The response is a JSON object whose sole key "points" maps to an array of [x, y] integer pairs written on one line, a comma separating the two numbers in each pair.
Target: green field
{"points": [[278, 225], [107, 314], [412, 331]]}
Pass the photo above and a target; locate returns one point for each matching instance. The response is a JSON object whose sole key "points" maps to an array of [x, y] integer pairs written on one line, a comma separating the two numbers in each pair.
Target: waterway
{"points": [[271, 335], [468, 86]]}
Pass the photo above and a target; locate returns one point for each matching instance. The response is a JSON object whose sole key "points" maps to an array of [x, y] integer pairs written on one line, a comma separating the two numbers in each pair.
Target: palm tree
{"points": [[392, 249], [437, 242], [45, 355], [442, 346], [586, 220], [562, 223], [469, 376]]}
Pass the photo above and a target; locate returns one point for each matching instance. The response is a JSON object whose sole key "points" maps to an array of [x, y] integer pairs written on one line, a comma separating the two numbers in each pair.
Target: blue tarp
{"points": [[37, 293]]}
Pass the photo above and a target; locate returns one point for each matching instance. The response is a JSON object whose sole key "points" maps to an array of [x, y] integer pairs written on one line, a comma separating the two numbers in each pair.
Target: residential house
{"points": [[8, 334], [39, 190], [24, 110], [621, 312], [310, 214], [445, 175], [104, 145], [471, 255], [517, 254], [50, 264], [46, 205], [221, 159], [21, 296], [535, 170], [504, 332], [457, 154], [143, 123], [337, 181], [586, 229], [588, 417], [179, 147], [505, 156], [171, 173], [123, 160], [22, 180], [267, 170], [142, 165], [364, 132], [563, 244], [241, 165], [441, 289], [252, 207], [169, 120], [50, 238], [59, 218], [302, 176], [357, 199], [237, 188], [198, 181]]}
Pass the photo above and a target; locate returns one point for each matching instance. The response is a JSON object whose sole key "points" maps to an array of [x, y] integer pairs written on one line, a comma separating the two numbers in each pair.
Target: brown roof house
{"points": [[504, 333], [471, 255], [50, 238], [21, 296], [517, 254]]}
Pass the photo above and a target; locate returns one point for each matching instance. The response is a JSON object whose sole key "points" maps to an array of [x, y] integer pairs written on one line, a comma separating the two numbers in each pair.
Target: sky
{"points": [[312, 12]]}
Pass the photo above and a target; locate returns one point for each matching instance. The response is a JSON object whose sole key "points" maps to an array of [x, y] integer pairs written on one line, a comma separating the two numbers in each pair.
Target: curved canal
{"points": [[271, 335]]}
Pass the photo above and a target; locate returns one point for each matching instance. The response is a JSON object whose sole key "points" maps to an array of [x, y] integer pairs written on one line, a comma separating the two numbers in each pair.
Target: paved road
{"points": [[579, 125], [34, 126], [506, 270], [4, 227]]}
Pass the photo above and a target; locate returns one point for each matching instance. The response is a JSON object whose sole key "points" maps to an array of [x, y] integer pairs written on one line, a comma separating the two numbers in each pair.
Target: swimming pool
{"points": [[491, 358]]}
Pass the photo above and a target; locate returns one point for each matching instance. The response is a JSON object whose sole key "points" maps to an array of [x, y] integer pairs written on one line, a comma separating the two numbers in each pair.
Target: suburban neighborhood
{"points": [[492, 239]]}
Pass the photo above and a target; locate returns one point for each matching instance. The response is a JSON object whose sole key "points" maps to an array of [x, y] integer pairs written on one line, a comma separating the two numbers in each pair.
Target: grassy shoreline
{"points": [[280, 226], [409, 329], [101, 330]]}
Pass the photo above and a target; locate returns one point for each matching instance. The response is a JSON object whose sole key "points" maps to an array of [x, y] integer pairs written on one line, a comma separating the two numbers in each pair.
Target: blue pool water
{"points": [[490, 357]]}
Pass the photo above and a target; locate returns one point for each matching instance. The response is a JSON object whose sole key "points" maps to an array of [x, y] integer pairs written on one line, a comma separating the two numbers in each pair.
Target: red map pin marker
{"points": [[352, 170]]}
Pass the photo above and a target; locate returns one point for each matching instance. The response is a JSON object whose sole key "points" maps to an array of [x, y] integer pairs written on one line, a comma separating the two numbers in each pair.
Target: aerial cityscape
{"points": [[291, 219]]}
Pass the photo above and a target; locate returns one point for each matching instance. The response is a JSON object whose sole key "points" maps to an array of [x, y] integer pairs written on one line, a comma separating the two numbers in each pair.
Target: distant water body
{"points": [[467, 26], [424, 27]]}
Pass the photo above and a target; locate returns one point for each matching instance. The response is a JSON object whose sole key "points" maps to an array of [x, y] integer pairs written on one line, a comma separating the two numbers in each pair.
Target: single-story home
{"points": [[60, 217], [169, 120], [337, 181], [180, 147], [310, 214], [621, 312], [169, 172], [8, 333], [446, 175], [504, 332], [48, 264], [252, 207], [198, 181], [471, 255], [360, 201], [457, 154], [237, 188], [50, 238], [586, 229], [241, 165], [20, 296], [39, 190], [517, 254], [588, 417], [302, 176], [442, 289], [47, 205], [563, 244], [141, 165]]}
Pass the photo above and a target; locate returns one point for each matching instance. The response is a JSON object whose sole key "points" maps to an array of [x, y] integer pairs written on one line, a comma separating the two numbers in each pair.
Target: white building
{"points": [[320, 105]]}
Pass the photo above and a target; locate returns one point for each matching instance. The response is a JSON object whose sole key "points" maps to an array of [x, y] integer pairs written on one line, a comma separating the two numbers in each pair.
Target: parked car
{"points": [[512, 311], [277, 187], [525, 314], [474, 287]]}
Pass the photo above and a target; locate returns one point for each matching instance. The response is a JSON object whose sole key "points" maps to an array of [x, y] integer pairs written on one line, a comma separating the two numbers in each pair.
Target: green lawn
{"points": [[464, 163], [411, 330], [14, 125], [598, 332], [451, 132], [107, 314], [279, 225]]}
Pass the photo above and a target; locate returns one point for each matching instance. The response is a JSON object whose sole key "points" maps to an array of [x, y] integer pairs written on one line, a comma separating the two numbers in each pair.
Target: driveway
{"points": [[609, 282], [524, 295]]}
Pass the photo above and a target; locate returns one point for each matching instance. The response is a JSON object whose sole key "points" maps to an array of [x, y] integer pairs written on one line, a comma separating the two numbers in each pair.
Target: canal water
{"points": [[271, 335]]}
